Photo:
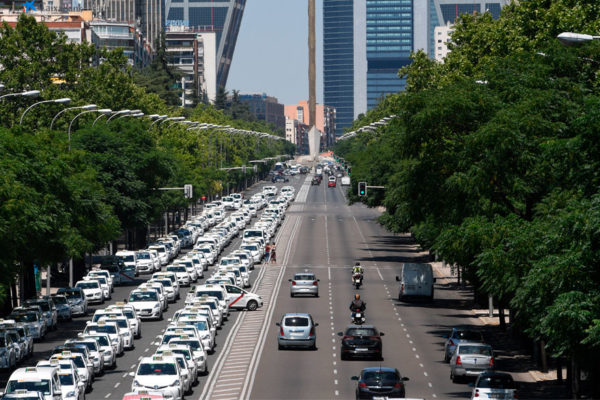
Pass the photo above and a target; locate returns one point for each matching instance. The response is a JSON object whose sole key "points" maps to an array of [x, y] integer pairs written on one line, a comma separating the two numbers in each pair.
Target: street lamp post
{"points": [[86, 107], [103, 111], [572, 39], [27, 93], [121, 112], [65, 100], [158, 119]]}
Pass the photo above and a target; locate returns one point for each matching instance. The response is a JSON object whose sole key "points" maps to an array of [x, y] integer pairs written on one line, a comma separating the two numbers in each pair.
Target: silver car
{"points": [[494, 385], [304, 283], [470, 359], [297, 330], [460, 335]]}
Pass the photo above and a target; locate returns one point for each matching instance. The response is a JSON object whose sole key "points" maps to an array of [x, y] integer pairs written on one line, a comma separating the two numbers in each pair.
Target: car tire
{"points": [[454, 378], [252, 305], [291, 294], [279, 347], [343, 357]]}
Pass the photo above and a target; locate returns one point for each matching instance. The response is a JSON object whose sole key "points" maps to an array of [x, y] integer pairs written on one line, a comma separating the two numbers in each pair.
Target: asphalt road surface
{"points": [[320, 233]]}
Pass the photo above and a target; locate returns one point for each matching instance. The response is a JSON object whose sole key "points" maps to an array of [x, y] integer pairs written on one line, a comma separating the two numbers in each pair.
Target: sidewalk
{"points": [[511, 357]]}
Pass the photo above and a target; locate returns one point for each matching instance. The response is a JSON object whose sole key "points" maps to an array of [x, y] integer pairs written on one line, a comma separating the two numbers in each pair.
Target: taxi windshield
{"points": [[43, 385], [102, 329], [177, 269], [157, 369], [211, 293], [43, 304], [29, 317], [121, 323], [66, 379], [144, 296], [59, 300], [194, 344], [165, 282], [102, 340], [88, 285]]}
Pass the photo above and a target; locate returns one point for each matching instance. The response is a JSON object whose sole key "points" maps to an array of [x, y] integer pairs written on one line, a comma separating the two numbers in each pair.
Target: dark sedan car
{"points": [[279, 178], [361, 341], [380, 382]]}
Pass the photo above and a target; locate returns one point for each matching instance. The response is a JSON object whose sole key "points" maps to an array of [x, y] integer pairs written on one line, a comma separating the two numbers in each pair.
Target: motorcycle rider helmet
{"points": [[357, 264]]}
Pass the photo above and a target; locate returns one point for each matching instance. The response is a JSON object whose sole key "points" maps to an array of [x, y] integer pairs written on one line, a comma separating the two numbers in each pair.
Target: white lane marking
{"points": [[410, 341], [337, 393], [117, 384], [335, 371], [380, 276], [414, 349], [140, 358], [429, 384], [417, 356], [125, 375], [133, 366], [333, 347], [262, 336], [230, 379], [420, 365], [335, 363], [329, 273], [425, 373], [434, 396], [335, 381], [146, 350], [108, 396], [327, 237]]}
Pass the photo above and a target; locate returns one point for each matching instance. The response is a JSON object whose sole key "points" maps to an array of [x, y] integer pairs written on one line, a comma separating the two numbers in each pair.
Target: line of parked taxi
{"points": [[190, 336]]}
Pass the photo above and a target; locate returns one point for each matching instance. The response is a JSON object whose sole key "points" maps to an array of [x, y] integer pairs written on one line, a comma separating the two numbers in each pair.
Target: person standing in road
{"points": [[267, 253], [273, 254]]}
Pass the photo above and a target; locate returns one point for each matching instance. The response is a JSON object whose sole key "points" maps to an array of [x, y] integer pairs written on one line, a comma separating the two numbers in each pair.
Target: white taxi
{"points": [[33, 379], [161, 374], [146, 303]]}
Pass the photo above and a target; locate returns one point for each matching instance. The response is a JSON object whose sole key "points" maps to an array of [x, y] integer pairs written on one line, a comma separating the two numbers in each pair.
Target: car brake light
{"points": [[491, 362], [347, 338], [398, 385], [402, 288], [515, 395], [476, 393], [458, 362], [450, 342], [362, 385], [312, 332], [375, 338], [281, 331], [293, 283], [315, 283]]}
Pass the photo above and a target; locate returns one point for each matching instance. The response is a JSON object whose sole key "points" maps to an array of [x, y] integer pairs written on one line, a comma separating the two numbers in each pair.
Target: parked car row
{"points": [[471, 358], [190, 335]]}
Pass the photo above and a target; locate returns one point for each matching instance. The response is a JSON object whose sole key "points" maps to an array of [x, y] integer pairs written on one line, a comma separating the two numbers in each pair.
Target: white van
{"points": [[416, 280]]}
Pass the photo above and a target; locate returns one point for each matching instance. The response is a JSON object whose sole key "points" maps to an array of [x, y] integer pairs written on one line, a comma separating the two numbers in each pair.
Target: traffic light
{"points": [[362, 188], [188, 191], [349, 171]]}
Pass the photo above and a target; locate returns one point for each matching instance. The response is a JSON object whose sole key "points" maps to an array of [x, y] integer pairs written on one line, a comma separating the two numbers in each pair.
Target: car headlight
{"points": [[156, 306], [176, 382], [115, 340]]}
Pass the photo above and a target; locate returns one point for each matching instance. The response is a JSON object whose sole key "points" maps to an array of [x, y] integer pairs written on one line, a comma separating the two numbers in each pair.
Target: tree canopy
{"points": [[492, 162]]}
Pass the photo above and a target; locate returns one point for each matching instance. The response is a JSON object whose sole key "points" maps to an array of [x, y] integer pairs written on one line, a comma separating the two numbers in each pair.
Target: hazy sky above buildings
{"points": [[271, 54]]}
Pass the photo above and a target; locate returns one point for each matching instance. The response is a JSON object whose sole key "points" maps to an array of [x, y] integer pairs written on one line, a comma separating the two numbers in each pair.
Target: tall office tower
{"points": [[223, 17], [445, 12], [390, 30], [344, 59]]}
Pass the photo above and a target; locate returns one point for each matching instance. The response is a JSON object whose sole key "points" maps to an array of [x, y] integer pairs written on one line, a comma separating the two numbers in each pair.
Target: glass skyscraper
{"points": [[223, 17], [344, 63], [389, 43]]}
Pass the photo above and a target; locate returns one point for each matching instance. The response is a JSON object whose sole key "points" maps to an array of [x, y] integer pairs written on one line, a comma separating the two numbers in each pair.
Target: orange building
{"points": [[325, 120]]}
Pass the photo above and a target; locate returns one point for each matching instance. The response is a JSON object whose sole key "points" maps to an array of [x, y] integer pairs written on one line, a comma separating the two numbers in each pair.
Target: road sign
{"points": [[188, 191], [203, 197]]}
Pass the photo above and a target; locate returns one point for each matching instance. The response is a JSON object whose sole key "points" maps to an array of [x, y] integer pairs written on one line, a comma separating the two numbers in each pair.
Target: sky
{"points": [[271, 54]]}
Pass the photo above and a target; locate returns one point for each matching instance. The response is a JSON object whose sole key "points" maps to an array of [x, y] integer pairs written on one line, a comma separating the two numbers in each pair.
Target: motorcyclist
{"points": [[357, 269], [357, 305]]}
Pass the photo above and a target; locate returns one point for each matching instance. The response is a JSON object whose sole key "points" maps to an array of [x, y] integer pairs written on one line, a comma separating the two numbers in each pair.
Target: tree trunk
{"points": [[559, 374], [574, 378], [501, 317], [28, 280], [543, 356]]}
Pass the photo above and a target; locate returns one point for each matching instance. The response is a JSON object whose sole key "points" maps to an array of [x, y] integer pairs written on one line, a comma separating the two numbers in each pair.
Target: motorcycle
{"points": [[357, 280], [358, 317]]}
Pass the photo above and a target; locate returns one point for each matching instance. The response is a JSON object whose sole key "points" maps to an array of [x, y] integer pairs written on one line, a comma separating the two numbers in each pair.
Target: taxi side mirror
{"points": [[397, 278]]}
